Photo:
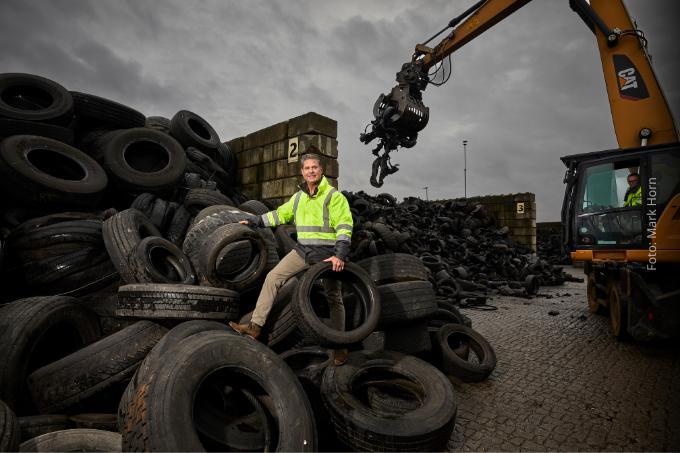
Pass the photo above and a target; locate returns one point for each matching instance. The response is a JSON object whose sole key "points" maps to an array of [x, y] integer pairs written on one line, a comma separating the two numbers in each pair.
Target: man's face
{"points": [[312, 171], [633, 181]]}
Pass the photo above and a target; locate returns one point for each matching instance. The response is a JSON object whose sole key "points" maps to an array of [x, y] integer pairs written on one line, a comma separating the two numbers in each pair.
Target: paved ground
{"points": [[564, 383]]}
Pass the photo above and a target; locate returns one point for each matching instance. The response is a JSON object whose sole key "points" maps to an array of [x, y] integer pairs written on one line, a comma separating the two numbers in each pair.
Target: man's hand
{"points": [[244, 222], [338, 264]]}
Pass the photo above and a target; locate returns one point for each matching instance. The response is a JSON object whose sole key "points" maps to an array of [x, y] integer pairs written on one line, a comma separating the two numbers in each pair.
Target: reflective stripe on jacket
{"points": [[633, 198], [320, 219]]}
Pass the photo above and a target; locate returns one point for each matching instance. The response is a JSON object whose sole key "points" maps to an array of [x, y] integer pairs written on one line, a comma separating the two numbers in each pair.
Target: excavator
{"points": [[628, 240]]}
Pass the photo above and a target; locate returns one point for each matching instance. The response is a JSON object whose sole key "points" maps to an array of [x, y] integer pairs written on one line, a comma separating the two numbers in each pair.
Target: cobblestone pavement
{"points": [[563, 383]]}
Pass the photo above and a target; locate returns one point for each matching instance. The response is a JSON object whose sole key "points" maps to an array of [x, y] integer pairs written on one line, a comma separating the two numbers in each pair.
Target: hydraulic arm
{"points": [[639, 110]]}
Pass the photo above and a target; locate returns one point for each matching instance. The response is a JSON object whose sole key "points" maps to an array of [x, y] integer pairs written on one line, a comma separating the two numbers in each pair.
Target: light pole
{"points": [[426, 197], [465, 167]]}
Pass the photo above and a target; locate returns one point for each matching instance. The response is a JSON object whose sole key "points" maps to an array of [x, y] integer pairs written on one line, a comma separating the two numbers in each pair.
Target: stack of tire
{"points": [[122, 257]]}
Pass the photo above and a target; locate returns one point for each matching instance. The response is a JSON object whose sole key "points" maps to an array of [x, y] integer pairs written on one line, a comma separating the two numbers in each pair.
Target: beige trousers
{"points": [[290, 265]]}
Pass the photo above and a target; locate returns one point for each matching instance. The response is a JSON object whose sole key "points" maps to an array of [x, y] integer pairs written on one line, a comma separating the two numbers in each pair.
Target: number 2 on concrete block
{"points": [[293, 153]]}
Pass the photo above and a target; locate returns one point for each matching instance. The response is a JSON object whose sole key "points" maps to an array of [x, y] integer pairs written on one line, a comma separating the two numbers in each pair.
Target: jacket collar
{"points": [[321, 188]]}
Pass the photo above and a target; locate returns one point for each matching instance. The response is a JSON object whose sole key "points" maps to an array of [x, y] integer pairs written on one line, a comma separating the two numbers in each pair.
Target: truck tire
{"points": [[191, 130], [100, 111], [198, 199], [358, 426], [28, 97], [158, 415], [34, 332], [84, 373], [618, 311], [394, 268], [450, 337], [9, 429], [162, 301], [74, 440], [41, 171], [310, 323], [157, 260], [9, 127], [406, 301], [213, 246], [144, 160]]}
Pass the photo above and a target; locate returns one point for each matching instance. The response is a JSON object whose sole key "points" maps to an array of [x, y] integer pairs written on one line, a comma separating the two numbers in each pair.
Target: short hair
{"points": [[308, 156], [633, 174]]}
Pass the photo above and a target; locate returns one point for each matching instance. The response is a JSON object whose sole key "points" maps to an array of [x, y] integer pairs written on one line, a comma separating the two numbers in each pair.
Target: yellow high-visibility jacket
{"points": [[633, 198], [323, 220]]}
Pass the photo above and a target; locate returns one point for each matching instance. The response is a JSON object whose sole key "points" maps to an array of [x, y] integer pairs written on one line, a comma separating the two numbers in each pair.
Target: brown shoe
{"points": [[340, 357], [250, 329]]}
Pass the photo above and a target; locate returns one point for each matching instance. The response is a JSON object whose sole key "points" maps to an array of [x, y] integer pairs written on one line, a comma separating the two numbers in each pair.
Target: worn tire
{"points": [[122, 232], [9, 429], [426, 428], [34, 425], [157, 260], [105, 112], [9, 127], [254, 207], [105, 422], [454, 364], [84, 373], [191, 130], [34, 332], [406, 301], [144, 160], [394, 268], [314, 328], [198, 199], [21, 93], [41, 171], [74, 440], [412, 338], [161, 409], [160, 301], [213, 246]]}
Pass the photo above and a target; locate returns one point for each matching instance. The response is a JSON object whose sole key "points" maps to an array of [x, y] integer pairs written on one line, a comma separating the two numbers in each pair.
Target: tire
{"points": [[618, 312], [122, 232], [144, 160], [88, 371], [455, 365], [406, 301], [198, 199], [286, 239], [41, 171], [144, 203], [364, 290], [215, 243], [74, 440], [447, 314], [158, 301], [81, 232], [10, 127], [105, 422], [160, 123], [191, 130], [159, 415], [20, 94], [308, 363], [34, 332], [178, 226], [412, 339], [157, 260], [157, 355], [394, 268], [35, 425], [158, 214], [254, 207], [387, 235], [209, 169], [99, 111], [392, 396], [426, 428], [592, 291], [9, 429]]}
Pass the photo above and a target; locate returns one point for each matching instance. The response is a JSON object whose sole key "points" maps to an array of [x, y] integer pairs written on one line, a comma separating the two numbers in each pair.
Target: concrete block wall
{"points": [[267, 159], [516, 211]]}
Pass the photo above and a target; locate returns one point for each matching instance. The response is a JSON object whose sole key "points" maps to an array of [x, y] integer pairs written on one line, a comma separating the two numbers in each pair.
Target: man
{"points": [[633, 195], [324, 229]]}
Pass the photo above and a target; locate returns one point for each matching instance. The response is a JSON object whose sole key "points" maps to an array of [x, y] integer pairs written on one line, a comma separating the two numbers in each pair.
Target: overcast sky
{"points": [[523, 94]]}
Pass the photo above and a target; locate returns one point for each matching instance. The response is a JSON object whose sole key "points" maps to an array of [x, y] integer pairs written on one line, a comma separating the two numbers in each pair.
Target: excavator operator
{"points": [[633, 195]]}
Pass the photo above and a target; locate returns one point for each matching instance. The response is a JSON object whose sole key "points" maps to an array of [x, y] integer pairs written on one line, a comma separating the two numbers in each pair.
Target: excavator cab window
{"points": [[609, 210]]}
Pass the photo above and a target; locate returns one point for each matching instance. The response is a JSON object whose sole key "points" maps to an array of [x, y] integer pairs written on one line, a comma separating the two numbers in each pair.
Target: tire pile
{"points": [[469, 257], [121, 259]]}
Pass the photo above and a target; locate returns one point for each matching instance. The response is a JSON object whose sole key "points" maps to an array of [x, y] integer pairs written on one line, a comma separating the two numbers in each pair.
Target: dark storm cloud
{"points": [[524, 93]]}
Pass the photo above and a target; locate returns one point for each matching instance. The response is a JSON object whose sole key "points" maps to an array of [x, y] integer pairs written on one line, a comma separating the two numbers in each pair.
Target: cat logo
{"points": [[629, 80]]}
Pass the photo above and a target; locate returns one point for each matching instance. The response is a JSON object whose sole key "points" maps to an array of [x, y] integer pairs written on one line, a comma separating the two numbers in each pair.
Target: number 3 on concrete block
{"points": [[293, 153]]}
